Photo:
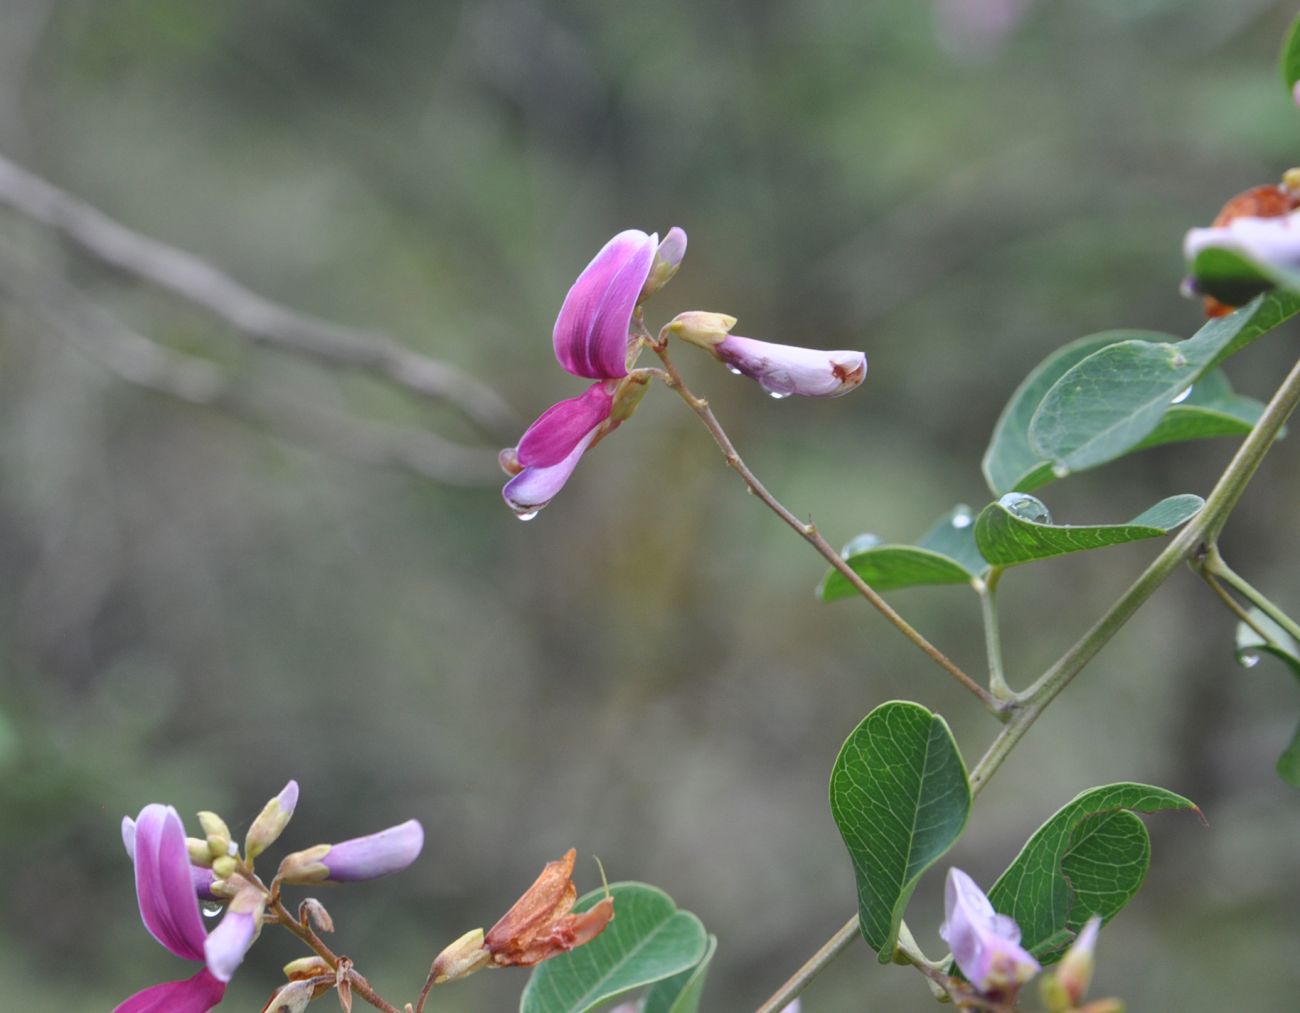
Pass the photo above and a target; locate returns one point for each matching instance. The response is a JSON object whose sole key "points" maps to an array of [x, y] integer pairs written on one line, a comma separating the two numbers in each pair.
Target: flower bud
{"points": [[668, 258], [199, 852], [217, 833], [271, 821], [306, 967], [702, 328], [360, 858], [627, 396], [985, 944], [224, 867], [295, 996], [462, 958], [1075, 969]]}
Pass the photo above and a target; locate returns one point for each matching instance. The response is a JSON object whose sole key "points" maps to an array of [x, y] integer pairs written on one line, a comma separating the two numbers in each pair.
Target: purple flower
{"points": [[366, 857], [985, 944], [782, 370], [591, 340], [165, 886], [1266, 241]]}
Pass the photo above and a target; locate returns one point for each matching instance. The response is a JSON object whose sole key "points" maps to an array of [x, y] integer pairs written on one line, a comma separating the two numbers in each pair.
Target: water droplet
{"points": [[734, 371], [859, 543], [1182, 397], [1026, 507], [1060, 470], [526, 515], [211, 908], [961, 517], [1248, 659], [778, 395]]}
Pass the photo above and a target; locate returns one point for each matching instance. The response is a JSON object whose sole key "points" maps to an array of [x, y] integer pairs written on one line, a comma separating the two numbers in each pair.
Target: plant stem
{"points": [[1215, 565], [808, 531], [798, 981], [1200, 532], [304, 932], [1231, 603], [988, 593]]}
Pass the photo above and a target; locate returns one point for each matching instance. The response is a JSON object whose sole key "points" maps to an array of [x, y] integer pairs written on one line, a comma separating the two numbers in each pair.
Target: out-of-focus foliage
{"points": [[192, 611]]}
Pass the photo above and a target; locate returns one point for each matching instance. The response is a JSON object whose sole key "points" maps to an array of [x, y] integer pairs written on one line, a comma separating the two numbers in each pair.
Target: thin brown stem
{"points": [[813, 966], [304, 931], [808, 531]]}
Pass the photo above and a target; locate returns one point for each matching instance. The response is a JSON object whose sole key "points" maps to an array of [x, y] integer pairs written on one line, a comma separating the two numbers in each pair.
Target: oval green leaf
{"points": [[1010, 463], [1210, 409], [1109, 403], [900, 797], [946, 554], [1006, 537], [648, 940], [1089, 858], [681, 993]]}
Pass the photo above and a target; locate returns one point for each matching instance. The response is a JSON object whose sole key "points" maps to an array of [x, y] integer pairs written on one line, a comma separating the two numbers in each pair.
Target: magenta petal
{"points": [[782, 370], [163, 883], [533, 488], [229, 941], [592, 329], [193, 995], [375, 854], [563, 426], [202, 877]]}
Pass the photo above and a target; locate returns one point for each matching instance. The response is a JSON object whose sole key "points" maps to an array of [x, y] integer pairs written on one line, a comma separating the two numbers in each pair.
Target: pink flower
{"points": [[591, 340], [985, 944], [166, 886], [366, 857]]}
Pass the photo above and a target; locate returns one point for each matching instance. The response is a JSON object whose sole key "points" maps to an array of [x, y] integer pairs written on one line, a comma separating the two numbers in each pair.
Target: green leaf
{"points": [[946, 554], [900, 796], [648, 940], [1018, 529], [1210, 409], [1291, 56], [1010, 464], [1280, 643], [1110, 402], [681, 992], [1288, 764], [1089, 858]]}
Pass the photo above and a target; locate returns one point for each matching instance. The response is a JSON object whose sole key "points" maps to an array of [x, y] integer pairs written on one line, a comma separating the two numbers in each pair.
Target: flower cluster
{"points": [[172, 873], [599, 335]]}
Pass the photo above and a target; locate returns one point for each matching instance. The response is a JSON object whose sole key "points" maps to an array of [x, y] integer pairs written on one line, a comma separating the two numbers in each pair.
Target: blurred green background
{"points": [[194, 610]]}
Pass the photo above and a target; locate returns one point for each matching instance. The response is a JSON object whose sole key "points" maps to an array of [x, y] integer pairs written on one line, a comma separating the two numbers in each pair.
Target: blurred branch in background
{"points": [[261, 321], [136, 359]]}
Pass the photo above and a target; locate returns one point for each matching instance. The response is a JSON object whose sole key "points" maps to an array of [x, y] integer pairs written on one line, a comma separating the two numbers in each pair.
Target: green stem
{"points": [[1215, 565], [806, 530], [813, 966], [1200, 531], [988, 592]]}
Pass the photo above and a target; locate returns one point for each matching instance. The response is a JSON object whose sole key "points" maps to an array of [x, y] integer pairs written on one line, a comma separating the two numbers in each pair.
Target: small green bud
{"points": [[199, 853], [702, 328], [271, 821], [217, 833], [224, 867]]}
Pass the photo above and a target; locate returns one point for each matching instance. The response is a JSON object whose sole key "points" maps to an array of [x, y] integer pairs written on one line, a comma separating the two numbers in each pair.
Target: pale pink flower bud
{"points": [[668, 258], [985, 944], [366, 857], [782, 370], [271, 821]]}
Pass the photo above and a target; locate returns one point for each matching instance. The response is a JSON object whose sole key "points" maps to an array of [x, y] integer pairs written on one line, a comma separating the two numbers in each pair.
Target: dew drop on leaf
{"points": [[1248, 659], [961, 518], [1026, 507], [1182, 397]]}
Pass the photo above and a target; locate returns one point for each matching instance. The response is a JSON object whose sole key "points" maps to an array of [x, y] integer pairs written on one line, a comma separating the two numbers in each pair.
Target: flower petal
{"points": [[592, 329], [563, 426], [984, 944], [533, 488], [1270, 241], [193, 995], [783, 370], [202, 877], [229, 941], [164, 884], [374, 855]]}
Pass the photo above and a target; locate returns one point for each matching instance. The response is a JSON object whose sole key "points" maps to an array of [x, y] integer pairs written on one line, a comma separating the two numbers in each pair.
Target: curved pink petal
{"points": [[193, 995], [563, 426], [164, 884], [533, 488], [374, 855], [202, 877], [229, 941], [592, 328]]}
